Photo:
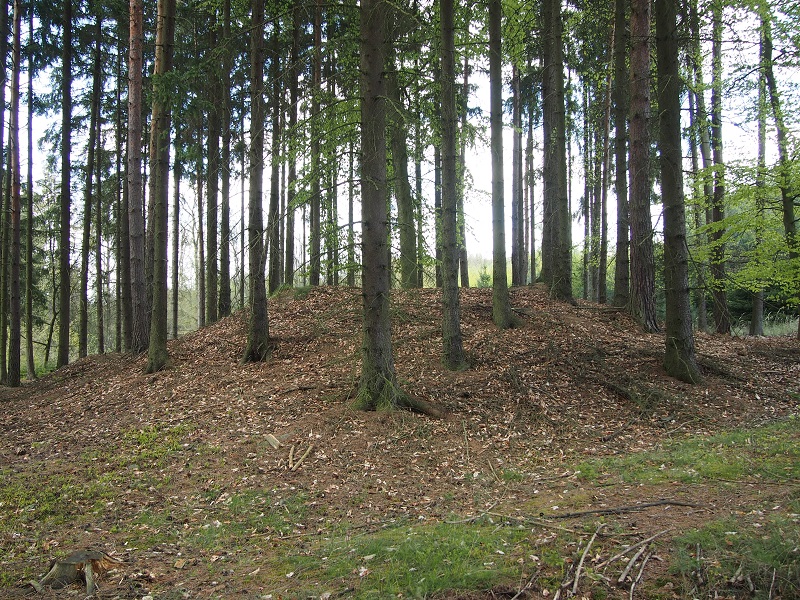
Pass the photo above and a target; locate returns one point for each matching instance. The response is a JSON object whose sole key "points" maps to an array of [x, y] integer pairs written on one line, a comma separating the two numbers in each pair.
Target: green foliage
{"points": [[484, 278]]}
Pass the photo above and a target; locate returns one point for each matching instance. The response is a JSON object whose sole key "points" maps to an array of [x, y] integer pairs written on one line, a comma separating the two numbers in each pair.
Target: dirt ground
{"points": [[570, 384]]}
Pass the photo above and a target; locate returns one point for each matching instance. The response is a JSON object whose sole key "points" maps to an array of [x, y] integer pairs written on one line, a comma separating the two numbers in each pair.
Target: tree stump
{"points": [[81, 565]]}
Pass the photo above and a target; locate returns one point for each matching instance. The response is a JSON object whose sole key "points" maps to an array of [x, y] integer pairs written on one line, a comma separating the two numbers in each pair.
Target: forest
{"points": [[305, 299], [164, 177]]}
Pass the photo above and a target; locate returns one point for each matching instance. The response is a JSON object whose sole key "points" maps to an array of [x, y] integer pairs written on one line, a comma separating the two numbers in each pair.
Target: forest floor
{"points": [[563, 445]]}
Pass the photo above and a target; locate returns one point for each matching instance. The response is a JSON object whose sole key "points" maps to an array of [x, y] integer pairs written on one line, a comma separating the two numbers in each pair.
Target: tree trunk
{"points": [[157, 356], [757, 311], [557, 218], [602, 267], [698, 210], [316, 170], [679, 358], [517, 243], [273, 226], [177, 170], [398, 133], [294, 94], [31, 366], [83, 330], [642, 292], [201, 253], [225, 170], [722, 316], [463, 259], [785, 179], [64, 285], [620, 94], [258, 342], [453, 349], [14, 341], [212, 190], [99, 218]]}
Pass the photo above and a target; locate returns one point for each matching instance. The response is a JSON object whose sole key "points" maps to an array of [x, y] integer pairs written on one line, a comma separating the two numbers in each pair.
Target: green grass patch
{"points": [[770, 452], [757, 556]]}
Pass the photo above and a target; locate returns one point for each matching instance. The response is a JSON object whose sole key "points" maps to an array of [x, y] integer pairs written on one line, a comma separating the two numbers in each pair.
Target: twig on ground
{"points": [[526, 587], [639, 575], [622, 509], [302, 458], [583, 557], [629, 566], [633, 547]]}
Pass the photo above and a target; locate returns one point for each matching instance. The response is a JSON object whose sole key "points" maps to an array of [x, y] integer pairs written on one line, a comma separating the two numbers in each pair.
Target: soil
{"points": [[572, 383]]}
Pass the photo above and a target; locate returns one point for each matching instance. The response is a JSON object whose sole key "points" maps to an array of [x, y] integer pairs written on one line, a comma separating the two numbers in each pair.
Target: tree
{"points": [[679, 358], [557, 224], [273, 226], [642, 291], [140, 303], [378, 388], [453, 349], [157, 356], [722, 316], [29, 285], [225, 170], [258, 342], [501, 306], [64, 285], [620, 91], [16, 206]]}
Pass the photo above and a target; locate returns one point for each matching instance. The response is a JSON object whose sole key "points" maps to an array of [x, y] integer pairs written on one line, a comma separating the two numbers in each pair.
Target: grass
{"points": [[770, 452]]}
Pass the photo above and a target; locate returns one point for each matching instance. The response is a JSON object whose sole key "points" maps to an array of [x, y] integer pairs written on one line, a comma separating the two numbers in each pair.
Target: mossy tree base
{"points": [[386, 396]]}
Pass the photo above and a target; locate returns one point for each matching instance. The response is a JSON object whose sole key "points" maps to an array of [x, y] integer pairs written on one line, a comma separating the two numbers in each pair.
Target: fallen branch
{"points": [[633, 547], [629, 566], [293, 467], [620, 509], [639, 576], [583, 557]]}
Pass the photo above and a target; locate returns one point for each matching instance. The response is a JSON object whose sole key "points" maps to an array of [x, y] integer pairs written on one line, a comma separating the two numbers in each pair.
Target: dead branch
{"points": [[301, 459], [583, 557], [633, 547], [621, 509], [629, 566]]}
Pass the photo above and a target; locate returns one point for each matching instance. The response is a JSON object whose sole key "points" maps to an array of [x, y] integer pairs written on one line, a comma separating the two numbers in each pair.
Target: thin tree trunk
{"points": [[620, 94], [30, 363], [453, 349], [273, 231], [602, 283], [14, 346], [291, 192], [757, 311], [642, 292], [201, 254], [225, 168], [316, 169], [722, 316], [177, 170], [212, 191], [157, 356], [258, 342], [517, 244], [463, 259], [64, 285], [679, 358], [699, 287], [99, 216]]}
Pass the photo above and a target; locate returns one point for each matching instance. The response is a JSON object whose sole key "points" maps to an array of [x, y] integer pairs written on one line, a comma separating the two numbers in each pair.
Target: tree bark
{"points": [[273, 226], [258, 342], [642, 292], [517, 216], [140, 303], [620, 94], [14, 340], [679, 358], [722, 316], [30, 363], [64, 285], [315, 231], [177, 170], [212, 187], [291, 184], [157, 356], [225, 167], [557, 219]]}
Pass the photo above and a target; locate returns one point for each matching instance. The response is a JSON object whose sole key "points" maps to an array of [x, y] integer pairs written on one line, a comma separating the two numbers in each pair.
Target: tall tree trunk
{"points": [[212, 190], [757, 310], [501, 306], [30, 363], [5, 276], [157, 356], [316, 167], [642, 293], [722, 316], [124, 308], [699, 212], [517, 243], [620, 94], [452, 345], [378, 389], [140, 335], [64, 284], [398, 134], [83, 330], [602, 267], [531, 179], [99, 217], [258, 342], [201, 253], [557, 218], [14, 345], [351, 248], [785, 180], [273, 226], [294, 94], [679, 358], [463, 259], [225, 168], [177, 170]]}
